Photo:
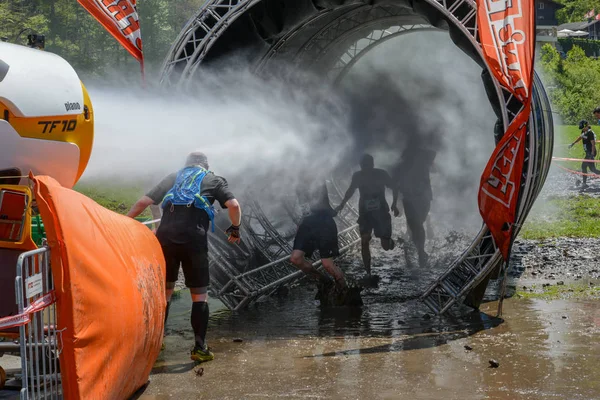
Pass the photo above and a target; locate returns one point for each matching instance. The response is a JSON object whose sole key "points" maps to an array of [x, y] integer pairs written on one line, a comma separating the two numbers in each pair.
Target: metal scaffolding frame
{"points": [[238, 282], [342, 36]]}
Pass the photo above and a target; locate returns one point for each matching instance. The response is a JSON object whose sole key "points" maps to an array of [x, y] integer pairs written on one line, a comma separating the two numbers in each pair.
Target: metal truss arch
{"points": [[331, 39]]}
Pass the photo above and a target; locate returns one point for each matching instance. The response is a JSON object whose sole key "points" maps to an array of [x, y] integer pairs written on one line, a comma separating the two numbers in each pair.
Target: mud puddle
{"points": [[391, 308], [543, 350], [287, 347]]}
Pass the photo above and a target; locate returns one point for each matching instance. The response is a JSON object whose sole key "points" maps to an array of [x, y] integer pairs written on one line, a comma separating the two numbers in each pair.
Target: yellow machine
{"points": [[46, 116]]}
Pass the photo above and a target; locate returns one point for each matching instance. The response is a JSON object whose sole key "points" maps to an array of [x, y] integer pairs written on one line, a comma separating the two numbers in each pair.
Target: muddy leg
{"points": [[415, 219], [297, 258], [365, 250], [430, 233], [334, 271]]}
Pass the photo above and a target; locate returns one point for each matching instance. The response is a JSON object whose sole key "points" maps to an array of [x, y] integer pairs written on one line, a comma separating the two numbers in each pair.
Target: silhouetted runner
{"points": [[414, 183], [373, 210]]}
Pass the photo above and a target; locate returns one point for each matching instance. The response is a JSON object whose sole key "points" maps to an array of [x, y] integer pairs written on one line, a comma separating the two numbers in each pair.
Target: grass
{"points": [[116, 197], [575, 216], [554, 292]]}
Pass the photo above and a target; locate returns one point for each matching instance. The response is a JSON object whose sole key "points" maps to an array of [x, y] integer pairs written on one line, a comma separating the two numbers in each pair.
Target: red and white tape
{"points": [[574, 159], [24, 317]]}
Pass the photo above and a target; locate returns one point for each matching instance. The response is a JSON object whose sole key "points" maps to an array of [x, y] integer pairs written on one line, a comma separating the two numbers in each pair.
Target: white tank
{"points": [[46, 117]]}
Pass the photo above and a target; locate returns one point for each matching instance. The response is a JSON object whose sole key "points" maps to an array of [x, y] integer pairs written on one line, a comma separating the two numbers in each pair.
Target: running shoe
{"points": [[202, 355]]}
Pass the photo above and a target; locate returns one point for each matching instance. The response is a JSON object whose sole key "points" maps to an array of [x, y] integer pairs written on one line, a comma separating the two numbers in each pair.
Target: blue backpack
{"points": [[186, 192]]}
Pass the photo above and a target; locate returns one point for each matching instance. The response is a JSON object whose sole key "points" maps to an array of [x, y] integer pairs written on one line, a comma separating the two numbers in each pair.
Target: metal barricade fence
{"points": [[39, 336]]}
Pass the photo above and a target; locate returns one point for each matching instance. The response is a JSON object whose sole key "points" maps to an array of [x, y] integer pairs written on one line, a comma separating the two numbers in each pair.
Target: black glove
{"points": [[233, 234], [571, 145]]}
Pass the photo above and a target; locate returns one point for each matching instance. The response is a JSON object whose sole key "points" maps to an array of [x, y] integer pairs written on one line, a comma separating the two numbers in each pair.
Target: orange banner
{"points": [[507, 35], [109, 274], [120, 19]]}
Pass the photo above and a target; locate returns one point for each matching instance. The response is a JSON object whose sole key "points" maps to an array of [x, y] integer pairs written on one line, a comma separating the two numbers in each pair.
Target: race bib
{"points": [[372, 204]]}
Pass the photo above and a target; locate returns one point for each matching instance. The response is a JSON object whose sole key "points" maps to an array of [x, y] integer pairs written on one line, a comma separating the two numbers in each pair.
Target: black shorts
{"points": [[194, 261], [377, 221], [318, 232]]}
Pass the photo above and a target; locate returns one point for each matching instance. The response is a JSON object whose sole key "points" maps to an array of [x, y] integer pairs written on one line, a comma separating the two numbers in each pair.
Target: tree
{"points": [[76, 36], [572, 82], [575, 10]]}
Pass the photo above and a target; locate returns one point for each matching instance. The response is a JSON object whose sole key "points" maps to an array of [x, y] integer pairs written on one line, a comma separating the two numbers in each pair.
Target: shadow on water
{"points": [[515, 272], [421, 337], [174, 368]]}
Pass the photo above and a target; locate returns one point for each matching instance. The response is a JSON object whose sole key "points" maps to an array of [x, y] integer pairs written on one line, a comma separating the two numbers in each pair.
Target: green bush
{"points": [[573, 83], [590, 47]]}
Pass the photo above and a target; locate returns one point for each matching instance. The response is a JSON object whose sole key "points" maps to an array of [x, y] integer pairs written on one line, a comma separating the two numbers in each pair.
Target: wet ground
{"points": [[562, 184], [557, 260], [288, 347], [543, 350]]}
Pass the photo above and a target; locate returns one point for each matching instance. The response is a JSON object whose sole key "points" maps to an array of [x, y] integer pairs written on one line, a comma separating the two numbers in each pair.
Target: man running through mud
{"points": [[588, 137], [318, 231], [373, 210], [414, 183], [187, 197]]}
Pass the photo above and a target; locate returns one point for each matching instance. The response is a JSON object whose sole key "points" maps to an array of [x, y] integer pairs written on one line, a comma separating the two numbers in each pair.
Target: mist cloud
{"points": [[263, 133]]}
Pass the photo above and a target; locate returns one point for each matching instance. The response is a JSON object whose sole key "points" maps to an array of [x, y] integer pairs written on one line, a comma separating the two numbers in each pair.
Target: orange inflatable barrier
{"points": [[109, 274]]}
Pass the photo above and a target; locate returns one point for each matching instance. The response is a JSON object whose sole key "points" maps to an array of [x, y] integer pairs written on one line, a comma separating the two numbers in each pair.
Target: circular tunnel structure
{"points": [[330, 37]]}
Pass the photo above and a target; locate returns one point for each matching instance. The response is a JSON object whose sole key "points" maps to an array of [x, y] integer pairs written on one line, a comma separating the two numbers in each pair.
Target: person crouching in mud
{"points": [[373, 210], [187, 197], [318, 231], [588, 138]]}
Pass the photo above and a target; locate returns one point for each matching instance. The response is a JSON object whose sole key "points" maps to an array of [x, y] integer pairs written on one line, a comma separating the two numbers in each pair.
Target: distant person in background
{"points": [[597, 114], [588, 138], [373, 210], [414, 182], [317, 231], [187, 197]]}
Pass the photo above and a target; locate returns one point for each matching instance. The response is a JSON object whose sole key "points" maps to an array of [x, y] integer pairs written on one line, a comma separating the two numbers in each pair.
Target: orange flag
{"points": [[120, 19], [507, 35]]}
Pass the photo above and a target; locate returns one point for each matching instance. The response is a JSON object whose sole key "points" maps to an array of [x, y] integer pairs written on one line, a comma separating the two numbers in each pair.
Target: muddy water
{"points": [[287, 347], [391, 308], [291, 349]]}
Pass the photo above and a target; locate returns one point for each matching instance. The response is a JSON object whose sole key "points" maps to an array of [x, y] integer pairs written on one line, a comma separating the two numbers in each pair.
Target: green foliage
{"points": [[115, 197], [76, 36], [575, 10], [590, 47], [572, 83]]}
